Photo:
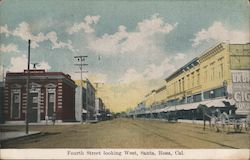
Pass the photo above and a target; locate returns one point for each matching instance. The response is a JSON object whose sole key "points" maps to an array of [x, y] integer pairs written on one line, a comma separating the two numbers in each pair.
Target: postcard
{"points": [[124, 79]]}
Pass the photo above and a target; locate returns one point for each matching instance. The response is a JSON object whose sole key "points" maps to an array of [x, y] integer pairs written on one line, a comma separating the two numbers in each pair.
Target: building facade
{"points": [[50, 92], [219, 77], [210, 75], [99, 109], [85, 106]]}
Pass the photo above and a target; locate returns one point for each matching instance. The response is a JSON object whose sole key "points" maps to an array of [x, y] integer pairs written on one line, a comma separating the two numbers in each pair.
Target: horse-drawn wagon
{"points": [[226, 122]]}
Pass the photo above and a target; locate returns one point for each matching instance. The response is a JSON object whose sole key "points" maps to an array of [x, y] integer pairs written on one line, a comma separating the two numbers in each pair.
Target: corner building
{"points": [[49, 92]]}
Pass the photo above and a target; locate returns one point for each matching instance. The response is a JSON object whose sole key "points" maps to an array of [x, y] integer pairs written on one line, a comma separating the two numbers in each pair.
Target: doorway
{"points": [[33, 107], [16, 103]]}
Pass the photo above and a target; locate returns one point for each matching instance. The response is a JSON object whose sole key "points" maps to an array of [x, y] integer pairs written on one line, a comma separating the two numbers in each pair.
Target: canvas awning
{"points": [[218, 103], [209, 103]]}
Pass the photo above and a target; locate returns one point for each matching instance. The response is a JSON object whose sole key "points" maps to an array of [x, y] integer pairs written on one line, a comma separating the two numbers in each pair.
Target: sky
{"points": [[132, 45]]}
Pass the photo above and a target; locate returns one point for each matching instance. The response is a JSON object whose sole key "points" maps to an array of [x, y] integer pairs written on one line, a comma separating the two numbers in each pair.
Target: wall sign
{"points": [[241, 90]]}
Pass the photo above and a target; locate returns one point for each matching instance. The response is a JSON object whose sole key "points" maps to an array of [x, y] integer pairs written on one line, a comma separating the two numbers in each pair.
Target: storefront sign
{"points": [[241, 90]]}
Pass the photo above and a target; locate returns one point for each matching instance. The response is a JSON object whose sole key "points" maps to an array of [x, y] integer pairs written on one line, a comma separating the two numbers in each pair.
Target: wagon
{"points": [[224, 121]]}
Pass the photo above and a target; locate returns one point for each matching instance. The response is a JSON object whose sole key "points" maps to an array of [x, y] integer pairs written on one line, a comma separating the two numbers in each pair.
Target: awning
{"points": [[218, 103], [209, 103], [188, 106]]}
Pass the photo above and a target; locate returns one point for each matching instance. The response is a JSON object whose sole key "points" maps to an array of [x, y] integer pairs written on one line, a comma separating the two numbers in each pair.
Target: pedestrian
{"points": [[54, 118], [82, 116]]}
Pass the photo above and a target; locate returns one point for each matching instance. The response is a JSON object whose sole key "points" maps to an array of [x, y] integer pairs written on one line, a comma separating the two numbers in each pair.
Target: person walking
{"points": [[54, 118]]}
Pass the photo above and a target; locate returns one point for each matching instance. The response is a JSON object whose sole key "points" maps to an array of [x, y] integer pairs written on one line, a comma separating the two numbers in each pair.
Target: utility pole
{"points": [[3, 73], [28, 78], [82, 59]]}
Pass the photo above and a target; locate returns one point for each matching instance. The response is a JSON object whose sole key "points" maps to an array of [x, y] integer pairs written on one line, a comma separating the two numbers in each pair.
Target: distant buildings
{"points": [[89, 99], [49, 92], [100, 110], [89, 107], [217, 78], [85, 106]]}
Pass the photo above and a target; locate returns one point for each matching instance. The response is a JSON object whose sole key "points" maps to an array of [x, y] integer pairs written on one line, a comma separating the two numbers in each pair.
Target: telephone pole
{"points": [[3, 73], [28, 100], [81, 60]]}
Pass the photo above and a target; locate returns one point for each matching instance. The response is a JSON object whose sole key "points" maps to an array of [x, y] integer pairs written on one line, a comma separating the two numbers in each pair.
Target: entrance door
{"points": [[33, 107], [15, 105], [51, 104]]}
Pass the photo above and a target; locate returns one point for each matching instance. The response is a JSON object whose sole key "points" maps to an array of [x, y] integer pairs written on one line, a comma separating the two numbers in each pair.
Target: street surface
{"points": [[128, 133]]}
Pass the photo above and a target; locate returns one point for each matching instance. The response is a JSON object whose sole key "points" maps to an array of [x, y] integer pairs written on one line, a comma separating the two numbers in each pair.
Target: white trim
{"points": [[50, 85]]}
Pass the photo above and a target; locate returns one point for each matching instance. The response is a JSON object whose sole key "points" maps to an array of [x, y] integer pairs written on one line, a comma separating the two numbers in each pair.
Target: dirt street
{"points": [[128, 133]]}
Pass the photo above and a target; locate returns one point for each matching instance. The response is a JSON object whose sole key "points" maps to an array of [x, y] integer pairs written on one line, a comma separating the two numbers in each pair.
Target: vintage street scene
{"points": [[124, 74]]}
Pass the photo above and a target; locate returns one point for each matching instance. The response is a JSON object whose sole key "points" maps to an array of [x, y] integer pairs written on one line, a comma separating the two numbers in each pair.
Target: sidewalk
{"points": [[16, 123], [21, 123], [4, 136]]}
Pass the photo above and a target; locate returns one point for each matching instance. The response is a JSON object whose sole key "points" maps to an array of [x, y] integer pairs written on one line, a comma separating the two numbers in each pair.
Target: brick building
{"points": [[49, 92]]}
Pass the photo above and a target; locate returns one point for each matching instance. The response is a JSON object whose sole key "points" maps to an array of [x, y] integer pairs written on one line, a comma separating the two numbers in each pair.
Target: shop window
{"points": [[197, 98], [182, 101], [190, 99], [206, 95], [220, 92]]}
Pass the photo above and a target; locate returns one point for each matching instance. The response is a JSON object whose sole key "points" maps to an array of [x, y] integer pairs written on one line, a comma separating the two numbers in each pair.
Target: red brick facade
{"points": [[49, 92]]}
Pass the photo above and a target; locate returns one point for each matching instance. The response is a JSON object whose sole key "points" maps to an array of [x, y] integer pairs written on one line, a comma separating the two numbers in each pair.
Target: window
{"points": [[182, 101], [179, 85], [197, 97], [212, 74], [206, 95], [219, 92], [192, 79], [188, 82], [212, 68], [183, 87], [221, 70], [198, 79], [190, 99], [205, 74]]}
